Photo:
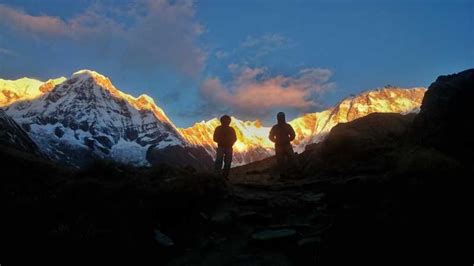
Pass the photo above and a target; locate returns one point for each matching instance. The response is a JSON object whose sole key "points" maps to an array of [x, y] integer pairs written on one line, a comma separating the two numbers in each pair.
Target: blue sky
{"points": [[247, 58]]}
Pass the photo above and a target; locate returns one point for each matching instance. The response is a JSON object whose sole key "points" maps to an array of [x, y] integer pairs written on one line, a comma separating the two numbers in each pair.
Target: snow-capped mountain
{"points": [[313, 127], [87, 117], [253, 143]]}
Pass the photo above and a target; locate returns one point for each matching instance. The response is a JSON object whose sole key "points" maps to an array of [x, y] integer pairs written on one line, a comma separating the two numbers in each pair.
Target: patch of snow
{"points": [[128, 152]]}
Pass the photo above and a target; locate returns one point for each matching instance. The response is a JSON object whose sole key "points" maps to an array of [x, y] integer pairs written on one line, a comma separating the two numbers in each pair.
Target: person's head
{"points": [[225, 120], [281, 117]]}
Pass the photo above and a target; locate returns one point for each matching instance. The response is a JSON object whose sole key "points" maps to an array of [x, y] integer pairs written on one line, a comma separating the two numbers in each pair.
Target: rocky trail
{"points": [[264, 221]]}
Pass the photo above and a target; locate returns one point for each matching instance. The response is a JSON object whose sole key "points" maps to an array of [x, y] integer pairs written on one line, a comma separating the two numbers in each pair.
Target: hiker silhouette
{"points": [[282, 134], [225, 137]]}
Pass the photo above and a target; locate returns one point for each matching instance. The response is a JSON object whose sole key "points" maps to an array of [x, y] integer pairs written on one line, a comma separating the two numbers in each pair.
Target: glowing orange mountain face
{"points": [[24, 89], [312, 127], [249, 134]]}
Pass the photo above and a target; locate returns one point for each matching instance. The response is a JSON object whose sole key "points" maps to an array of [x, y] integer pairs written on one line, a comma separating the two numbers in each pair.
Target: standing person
{"points": [[282, 134], [225, 137]]}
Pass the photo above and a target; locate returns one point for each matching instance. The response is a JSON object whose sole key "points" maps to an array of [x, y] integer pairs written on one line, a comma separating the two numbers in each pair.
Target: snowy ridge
{"points": [[24, 89], [86, 117]]}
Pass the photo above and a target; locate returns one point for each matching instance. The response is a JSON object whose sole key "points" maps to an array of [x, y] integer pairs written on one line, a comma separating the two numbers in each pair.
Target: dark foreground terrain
{"points": [[378, 189]]}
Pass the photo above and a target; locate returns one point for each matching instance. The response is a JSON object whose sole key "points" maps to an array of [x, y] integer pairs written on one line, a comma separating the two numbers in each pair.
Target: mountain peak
{"points": [[86, 76], [87, 73]]}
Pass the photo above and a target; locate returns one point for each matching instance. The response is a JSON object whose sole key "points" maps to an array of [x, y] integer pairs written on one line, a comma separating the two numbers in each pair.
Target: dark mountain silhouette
{"points": [[375, 191], [13, 136], [443, 121]]}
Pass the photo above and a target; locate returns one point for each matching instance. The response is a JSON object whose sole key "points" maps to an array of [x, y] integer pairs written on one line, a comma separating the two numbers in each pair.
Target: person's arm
{"points": [[291, 133], [234, 136], [216, 136], [272, 135]]}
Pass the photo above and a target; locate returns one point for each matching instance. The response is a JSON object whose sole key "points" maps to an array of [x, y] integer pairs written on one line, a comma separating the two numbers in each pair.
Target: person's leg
{"points": [[219, 158], [291, 162], [280, 157], [291, 156], [227, 162]]}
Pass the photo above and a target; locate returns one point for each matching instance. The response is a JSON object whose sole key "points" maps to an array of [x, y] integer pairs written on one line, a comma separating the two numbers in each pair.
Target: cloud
{"points": [[253, 93], [32, 24], [221, 54], [86, 24], [266, 43], [143, 34]]}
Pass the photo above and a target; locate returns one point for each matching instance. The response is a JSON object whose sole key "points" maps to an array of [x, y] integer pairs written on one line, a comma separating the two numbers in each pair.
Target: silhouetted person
{"points": [[225, 137], [283, 134]]}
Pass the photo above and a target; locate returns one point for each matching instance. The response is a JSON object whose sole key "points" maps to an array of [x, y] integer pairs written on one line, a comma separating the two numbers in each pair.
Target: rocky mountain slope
{"points": [[13, 136]]}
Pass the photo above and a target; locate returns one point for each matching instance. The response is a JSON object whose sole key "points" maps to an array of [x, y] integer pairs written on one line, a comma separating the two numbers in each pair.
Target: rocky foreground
{"points": [[374, 191]]}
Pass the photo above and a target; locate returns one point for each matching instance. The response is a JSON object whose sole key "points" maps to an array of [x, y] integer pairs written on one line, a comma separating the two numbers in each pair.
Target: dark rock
{"points": [[255, 217], [131, 134], [163, 239], [105, 141], [272, 234], [283, 202], [222, 218], [296, 226], [195, 157], [204, 216], [84, 126], [310, 241], [311, 198], [59, 132]]}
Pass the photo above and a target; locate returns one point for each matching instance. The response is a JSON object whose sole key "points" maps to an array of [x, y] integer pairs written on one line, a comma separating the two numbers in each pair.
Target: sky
{"points": [[249, 59]]}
